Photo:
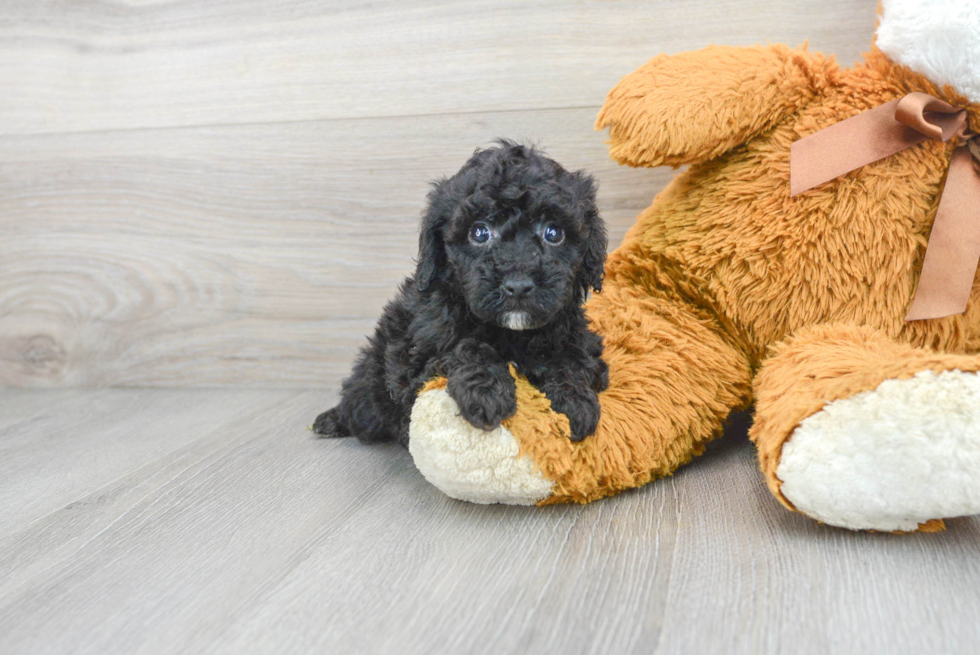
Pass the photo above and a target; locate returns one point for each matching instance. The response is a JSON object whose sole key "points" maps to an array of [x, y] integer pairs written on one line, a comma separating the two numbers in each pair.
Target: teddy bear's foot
{"points": [[892, 458], [468, 463], [862, 432]]}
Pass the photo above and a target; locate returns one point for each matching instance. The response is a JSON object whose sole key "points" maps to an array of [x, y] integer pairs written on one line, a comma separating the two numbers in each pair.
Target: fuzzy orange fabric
{"points": [[725, 273], [674, 377], [652, 120], [845, 252], [726, 243]]}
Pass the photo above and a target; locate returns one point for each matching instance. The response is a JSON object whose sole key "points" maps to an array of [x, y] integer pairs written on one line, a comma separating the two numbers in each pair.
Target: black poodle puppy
{"points": [[509, 248]]}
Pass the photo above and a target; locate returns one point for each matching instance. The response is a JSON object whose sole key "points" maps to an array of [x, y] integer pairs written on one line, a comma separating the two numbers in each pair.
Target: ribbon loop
{"points": [[930, 116], [953, 252]]}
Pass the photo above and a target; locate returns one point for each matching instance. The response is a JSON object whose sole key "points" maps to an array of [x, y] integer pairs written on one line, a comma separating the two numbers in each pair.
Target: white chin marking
{"points": [[891, 458], [516, 320]]}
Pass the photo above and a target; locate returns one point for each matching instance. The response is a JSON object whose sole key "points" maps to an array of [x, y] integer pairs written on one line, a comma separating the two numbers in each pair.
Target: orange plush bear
{"points": [[731, 291]]}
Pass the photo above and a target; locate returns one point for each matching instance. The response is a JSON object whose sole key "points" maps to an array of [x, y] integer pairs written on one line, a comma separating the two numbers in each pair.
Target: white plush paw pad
{"points": [[468, 463], [891, 458]]}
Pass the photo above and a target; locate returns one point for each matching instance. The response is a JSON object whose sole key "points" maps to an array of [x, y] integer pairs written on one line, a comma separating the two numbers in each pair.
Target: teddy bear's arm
{"points": [[690, 107]]}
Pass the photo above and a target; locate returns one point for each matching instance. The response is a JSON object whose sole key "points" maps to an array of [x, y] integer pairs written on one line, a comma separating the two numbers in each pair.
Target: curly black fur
{"points": [[474, 306]]}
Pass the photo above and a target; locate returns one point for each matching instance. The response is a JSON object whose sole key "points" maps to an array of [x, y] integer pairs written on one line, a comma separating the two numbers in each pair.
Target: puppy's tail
{"points": [[328, 425]]}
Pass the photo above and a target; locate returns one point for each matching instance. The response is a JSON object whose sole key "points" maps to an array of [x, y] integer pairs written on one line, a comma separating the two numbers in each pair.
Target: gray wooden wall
{"points": [[226, 192]]}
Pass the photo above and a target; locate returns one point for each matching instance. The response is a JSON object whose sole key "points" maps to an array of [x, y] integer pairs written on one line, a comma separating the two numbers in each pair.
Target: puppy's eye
{"points": [[553, 234], [479, 233]]}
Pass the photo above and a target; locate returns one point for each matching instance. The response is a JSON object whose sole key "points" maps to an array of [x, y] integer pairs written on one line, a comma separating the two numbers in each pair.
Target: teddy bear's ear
{"points": [[594, 258]]}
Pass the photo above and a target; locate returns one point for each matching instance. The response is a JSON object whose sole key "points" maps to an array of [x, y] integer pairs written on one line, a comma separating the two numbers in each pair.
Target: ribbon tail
{"points": [[848, 145], [953, 253], [869, 136]]}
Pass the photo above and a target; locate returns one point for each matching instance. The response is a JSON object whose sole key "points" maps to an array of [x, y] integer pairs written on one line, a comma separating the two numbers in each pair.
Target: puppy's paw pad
{"points": [[484, 397], [583, 424], [582, 412], [489, 412], [327, 424]]}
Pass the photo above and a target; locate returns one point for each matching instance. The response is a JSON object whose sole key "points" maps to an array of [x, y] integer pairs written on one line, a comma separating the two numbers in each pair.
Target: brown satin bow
{"points": [[954, 244]]}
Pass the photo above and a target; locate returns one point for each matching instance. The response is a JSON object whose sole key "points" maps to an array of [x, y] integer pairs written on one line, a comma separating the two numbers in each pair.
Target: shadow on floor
{"points": [[736, 433]]}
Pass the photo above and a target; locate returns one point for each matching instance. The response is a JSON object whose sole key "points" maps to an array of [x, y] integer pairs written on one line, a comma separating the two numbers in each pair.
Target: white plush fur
{"points": [[891, 458], [468, 463], [937, 38]]}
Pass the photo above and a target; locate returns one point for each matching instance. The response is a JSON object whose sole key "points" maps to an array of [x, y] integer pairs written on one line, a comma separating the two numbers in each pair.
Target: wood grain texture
{"points": [[218, 525], [83, 66], [259, 247], [240, 254]]}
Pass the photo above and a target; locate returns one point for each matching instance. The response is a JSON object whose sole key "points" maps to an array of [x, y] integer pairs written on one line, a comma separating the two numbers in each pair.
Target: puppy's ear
{"points": [[594, 258], [431, 263]]}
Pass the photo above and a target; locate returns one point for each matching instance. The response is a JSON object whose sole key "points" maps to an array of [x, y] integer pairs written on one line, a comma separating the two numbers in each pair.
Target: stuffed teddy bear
{"points": [[733, 289]]}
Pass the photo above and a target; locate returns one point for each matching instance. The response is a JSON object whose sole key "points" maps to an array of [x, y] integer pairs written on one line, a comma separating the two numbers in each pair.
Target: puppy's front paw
{"points": [[582, 410], [485, 394]]}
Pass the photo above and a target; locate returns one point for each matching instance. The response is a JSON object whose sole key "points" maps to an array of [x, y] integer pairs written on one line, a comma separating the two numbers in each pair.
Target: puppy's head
{"points": [[518, 236]]}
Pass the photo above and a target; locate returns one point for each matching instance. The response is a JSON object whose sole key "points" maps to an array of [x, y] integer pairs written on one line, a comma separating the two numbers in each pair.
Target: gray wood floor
{"points": [[184, 521]]}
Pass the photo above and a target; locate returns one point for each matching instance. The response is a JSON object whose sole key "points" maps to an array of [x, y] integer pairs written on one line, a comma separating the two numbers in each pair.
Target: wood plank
{"points": [[19, 405], [86, 440], [242, 255], [119, 489], [770, 581], [474, 579], [67, 67], [258, 538], [261, 479]]}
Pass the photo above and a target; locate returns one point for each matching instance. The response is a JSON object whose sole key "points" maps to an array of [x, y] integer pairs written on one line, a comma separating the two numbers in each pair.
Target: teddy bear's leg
{"points": [[859, 431], [674, 377]]}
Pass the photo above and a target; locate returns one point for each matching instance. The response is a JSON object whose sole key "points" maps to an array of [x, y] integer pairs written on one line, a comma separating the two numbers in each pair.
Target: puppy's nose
{"points": [[518, 287]]}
